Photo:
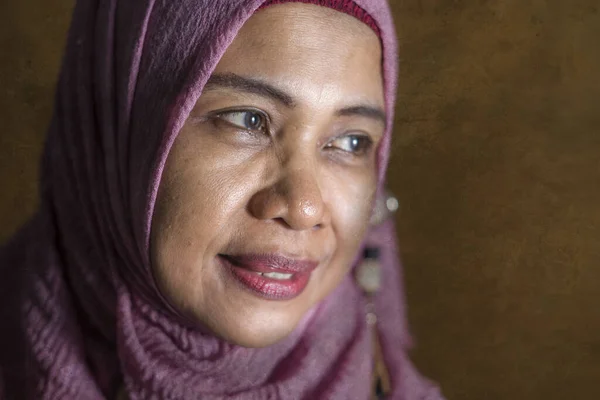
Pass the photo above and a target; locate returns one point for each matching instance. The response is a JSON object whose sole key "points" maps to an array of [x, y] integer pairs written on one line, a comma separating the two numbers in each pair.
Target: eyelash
{"points": [[366, 143], [265, 121]]}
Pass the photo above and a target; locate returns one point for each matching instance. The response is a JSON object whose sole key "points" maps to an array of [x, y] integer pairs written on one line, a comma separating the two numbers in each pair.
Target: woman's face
{"points": [[267, 191]]}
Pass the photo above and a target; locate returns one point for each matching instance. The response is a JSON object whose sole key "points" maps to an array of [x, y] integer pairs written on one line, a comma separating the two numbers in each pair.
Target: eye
{"points": [[249, 120], [355, 144]]}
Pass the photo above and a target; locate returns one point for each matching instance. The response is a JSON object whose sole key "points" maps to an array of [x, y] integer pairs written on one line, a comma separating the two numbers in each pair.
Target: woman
{"points": [[208, 181]]}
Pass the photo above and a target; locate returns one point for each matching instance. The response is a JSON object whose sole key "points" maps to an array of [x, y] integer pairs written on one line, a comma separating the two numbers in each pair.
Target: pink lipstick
{"points": [[270, 276]]}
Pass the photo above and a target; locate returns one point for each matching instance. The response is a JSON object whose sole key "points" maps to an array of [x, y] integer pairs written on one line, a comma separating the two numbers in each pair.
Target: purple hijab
{"points": [[81, 314]]}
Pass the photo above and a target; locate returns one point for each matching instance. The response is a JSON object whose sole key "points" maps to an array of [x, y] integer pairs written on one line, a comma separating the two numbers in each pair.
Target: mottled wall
{"points": [[496, 163]]}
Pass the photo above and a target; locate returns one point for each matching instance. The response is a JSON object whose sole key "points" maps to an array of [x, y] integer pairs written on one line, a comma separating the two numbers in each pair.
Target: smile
{"points": [[271, 277], [276, 275]]}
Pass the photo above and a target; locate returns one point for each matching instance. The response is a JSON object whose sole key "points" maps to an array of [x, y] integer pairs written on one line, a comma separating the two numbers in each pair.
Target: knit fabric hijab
{"points": [[81, 314]]}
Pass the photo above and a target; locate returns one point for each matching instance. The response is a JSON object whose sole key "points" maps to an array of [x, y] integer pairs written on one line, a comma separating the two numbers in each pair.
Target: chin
{"points": [[254, 341], [254, 329]]}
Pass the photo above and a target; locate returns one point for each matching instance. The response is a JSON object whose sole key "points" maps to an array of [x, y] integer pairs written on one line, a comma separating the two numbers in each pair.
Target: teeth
{"points": [[277, 275]]}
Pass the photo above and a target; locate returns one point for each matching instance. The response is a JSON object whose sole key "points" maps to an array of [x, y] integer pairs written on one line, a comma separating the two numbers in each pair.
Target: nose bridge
{"points": [[294, 194]]}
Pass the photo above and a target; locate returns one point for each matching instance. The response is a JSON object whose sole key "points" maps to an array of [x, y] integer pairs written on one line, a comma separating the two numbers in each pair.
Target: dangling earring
{"points": [[368, 276]]}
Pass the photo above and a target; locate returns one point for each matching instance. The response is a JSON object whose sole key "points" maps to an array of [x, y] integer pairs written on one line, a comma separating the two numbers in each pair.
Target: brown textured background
{"points": [[496, 163]]}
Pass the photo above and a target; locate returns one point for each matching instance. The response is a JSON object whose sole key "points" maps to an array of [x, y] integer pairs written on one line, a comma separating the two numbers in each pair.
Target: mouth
{"points": [[271, 277]]}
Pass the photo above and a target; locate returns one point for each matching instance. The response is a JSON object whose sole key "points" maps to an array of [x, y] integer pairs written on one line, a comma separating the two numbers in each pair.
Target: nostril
{"points": [[318, 227]]}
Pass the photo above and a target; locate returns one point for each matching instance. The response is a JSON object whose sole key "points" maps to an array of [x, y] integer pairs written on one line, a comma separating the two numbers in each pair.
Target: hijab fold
{"points": [[84, 316]]}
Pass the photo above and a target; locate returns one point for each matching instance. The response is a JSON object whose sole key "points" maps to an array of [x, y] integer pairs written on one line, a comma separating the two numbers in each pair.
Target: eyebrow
{"points": [[261, 88], [250, 85], [375, 113]]}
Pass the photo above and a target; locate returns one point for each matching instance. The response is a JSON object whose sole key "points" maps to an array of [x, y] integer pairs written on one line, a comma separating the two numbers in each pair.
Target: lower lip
{"points": [[269, 288]]}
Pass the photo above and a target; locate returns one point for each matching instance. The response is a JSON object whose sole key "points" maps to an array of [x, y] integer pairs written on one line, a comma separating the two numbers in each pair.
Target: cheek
{"points": [[200, 197], [351, 214], [175, 248], [350, 220], [353, 200], [182, 226], [196, 197]]}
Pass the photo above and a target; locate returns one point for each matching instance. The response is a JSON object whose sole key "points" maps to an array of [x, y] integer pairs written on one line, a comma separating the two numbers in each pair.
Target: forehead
{"points": [[312, 51]]}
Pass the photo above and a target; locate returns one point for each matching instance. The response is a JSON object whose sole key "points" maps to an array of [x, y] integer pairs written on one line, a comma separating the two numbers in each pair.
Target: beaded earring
{"points": [[368, 276]]}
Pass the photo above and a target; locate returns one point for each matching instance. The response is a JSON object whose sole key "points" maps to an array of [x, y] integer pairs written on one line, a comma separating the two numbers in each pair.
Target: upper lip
{"points": [[266, 263]]}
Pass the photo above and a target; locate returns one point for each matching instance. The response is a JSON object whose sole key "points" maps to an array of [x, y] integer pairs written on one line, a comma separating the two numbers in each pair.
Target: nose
{"points": [[295, 199]]}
